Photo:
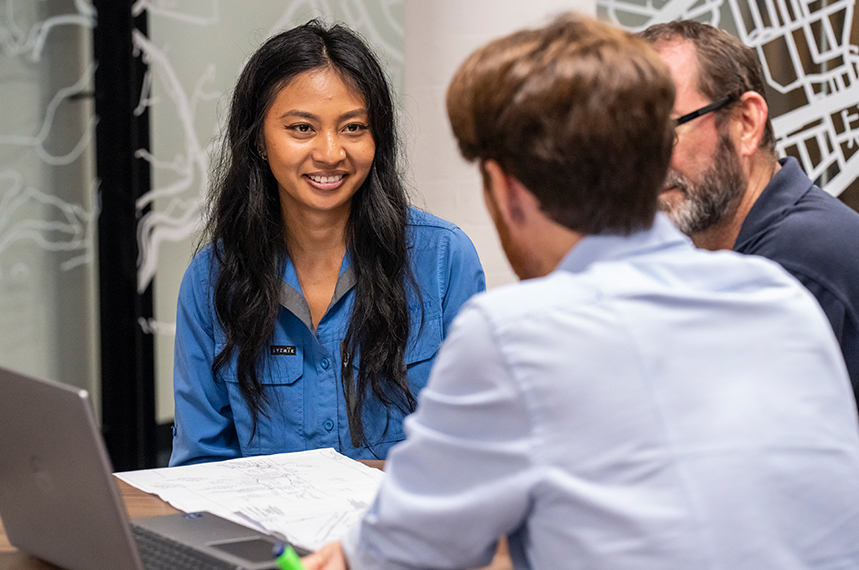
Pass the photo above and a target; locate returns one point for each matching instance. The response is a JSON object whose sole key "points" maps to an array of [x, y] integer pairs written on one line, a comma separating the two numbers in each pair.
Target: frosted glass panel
{"points": [[48, 322]]}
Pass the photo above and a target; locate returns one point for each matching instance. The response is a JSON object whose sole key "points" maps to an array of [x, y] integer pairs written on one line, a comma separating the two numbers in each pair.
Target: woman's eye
{"points": [[300, 128], [355, 128]]}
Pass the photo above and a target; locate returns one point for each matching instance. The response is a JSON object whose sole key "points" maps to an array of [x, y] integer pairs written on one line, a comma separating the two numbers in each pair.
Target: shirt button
{"points": [[328, 425], [324, 363]]}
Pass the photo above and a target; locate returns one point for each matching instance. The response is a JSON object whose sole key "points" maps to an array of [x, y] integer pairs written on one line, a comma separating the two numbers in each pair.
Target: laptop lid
{"points": [[58, 498], [60, 502]]}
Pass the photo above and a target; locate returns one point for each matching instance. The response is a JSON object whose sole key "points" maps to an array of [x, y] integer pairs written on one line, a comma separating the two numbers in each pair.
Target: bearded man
{"points": [[727, 189]]}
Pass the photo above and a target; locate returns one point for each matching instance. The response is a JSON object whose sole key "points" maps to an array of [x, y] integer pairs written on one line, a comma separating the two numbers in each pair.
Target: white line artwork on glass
{"points": [[167, 9], [38, 140], [15, 41], [181, 217], [28, 214], [65, 227]]}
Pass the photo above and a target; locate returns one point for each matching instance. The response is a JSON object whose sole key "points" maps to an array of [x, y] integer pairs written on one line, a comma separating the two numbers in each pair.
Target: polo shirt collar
{"points": [[784, 190]]}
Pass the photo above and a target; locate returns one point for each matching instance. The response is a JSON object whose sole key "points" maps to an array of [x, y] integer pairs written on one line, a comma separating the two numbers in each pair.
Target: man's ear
{"points": [[504, 194], [750, 123]]}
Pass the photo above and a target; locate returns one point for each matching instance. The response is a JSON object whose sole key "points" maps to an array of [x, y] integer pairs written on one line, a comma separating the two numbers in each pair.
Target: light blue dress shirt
{"points": [[647, 406], [301, 371]]}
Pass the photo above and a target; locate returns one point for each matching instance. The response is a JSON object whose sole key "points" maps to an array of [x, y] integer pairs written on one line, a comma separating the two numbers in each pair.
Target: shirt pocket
{"points": [[384, 426], [425, 336], [281, 428]]}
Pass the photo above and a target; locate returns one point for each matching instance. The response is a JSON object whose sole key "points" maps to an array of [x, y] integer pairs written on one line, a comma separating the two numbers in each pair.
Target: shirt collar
{"points": [[783, 191], [591, 249], [292, 299]]}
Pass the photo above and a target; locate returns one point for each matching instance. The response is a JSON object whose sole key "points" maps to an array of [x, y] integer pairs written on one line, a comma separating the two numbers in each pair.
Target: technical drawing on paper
{"points": [[813, 38], [309, 497]]}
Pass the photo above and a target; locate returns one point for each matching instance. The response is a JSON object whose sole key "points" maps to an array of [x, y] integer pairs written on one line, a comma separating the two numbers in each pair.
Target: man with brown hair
{"points": [[727, 189], [637, 403]]}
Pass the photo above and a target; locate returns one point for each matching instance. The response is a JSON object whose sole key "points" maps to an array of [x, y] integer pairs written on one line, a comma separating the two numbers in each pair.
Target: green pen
{"points": [[287, 558]]}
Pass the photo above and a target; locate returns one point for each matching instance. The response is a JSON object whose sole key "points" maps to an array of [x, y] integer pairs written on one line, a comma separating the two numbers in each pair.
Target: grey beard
{"points": [[716, 196]]}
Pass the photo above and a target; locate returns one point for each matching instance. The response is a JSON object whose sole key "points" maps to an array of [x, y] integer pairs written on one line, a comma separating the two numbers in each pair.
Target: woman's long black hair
{"points": [[245, 226]]}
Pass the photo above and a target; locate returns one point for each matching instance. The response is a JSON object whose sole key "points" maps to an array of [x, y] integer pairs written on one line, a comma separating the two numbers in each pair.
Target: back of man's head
{"points": [[726, 67], [578, 112]]}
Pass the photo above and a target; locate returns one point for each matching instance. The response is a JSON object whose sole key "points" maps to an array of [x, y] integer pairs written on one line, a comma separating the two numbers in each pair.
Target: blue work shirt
{"points": [[301, 370], [647, 406]]}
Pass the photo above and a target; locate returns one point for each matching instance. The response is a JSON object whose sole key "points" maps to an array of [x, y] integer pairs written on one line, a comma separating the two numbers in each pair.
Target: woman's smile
{"points": [[325, 181]]}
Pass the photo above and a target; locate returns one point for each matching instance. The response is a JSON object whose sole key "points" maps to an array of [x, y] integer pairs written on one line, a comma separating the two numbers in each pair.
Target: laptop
{"points": [[60, 502]]}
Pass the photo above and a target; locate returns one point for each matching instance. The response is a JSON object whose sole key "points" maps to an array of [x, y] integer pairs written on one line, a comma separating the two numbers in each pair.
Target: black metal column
{"points": [[127, 354]]}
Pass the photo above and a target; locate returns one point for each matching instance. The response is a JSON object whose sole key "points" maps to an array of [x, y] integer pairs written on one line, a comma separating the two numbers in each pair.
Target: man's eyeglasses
{"points": [[714, 106]]}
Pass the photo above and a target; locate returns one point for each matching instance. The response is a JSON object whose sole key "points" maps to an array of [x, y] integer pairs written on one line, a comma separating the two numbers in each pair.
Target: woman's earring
{"points": [[262, 153]]}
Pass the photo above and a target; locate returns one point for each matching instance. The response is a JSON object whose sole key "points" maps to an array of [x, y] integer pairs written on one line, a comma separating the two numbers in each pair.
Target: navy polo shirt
{"points": [[815, 237]]}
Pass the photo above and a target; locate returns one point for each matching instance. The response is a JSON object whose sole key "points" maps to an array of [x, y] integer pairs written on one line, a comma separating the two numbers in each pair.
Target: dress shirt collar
{"points": [[591, 249]]}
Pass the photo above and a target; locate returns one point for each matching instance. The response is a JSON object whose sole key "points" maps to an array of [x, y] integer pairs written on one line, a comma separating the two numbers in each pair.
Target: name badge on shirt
{"points": [[281, 350]]}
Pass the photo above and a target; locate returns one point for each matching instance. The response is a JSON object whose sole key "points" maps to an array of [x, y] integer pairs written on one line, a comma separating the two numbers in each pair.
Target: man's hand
{"points": [[329, 557]]}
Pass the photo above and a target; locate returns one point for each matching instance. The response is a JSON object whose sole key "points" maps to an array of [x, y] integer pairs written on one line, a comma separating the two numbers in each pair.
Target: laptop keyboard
{"points": [[161, 553]]}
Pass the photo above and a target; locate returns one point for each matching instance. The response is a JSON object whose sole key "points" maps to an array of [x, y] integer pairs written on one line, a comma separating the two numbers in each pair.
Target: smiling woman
{"points": [[312, 313]]}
